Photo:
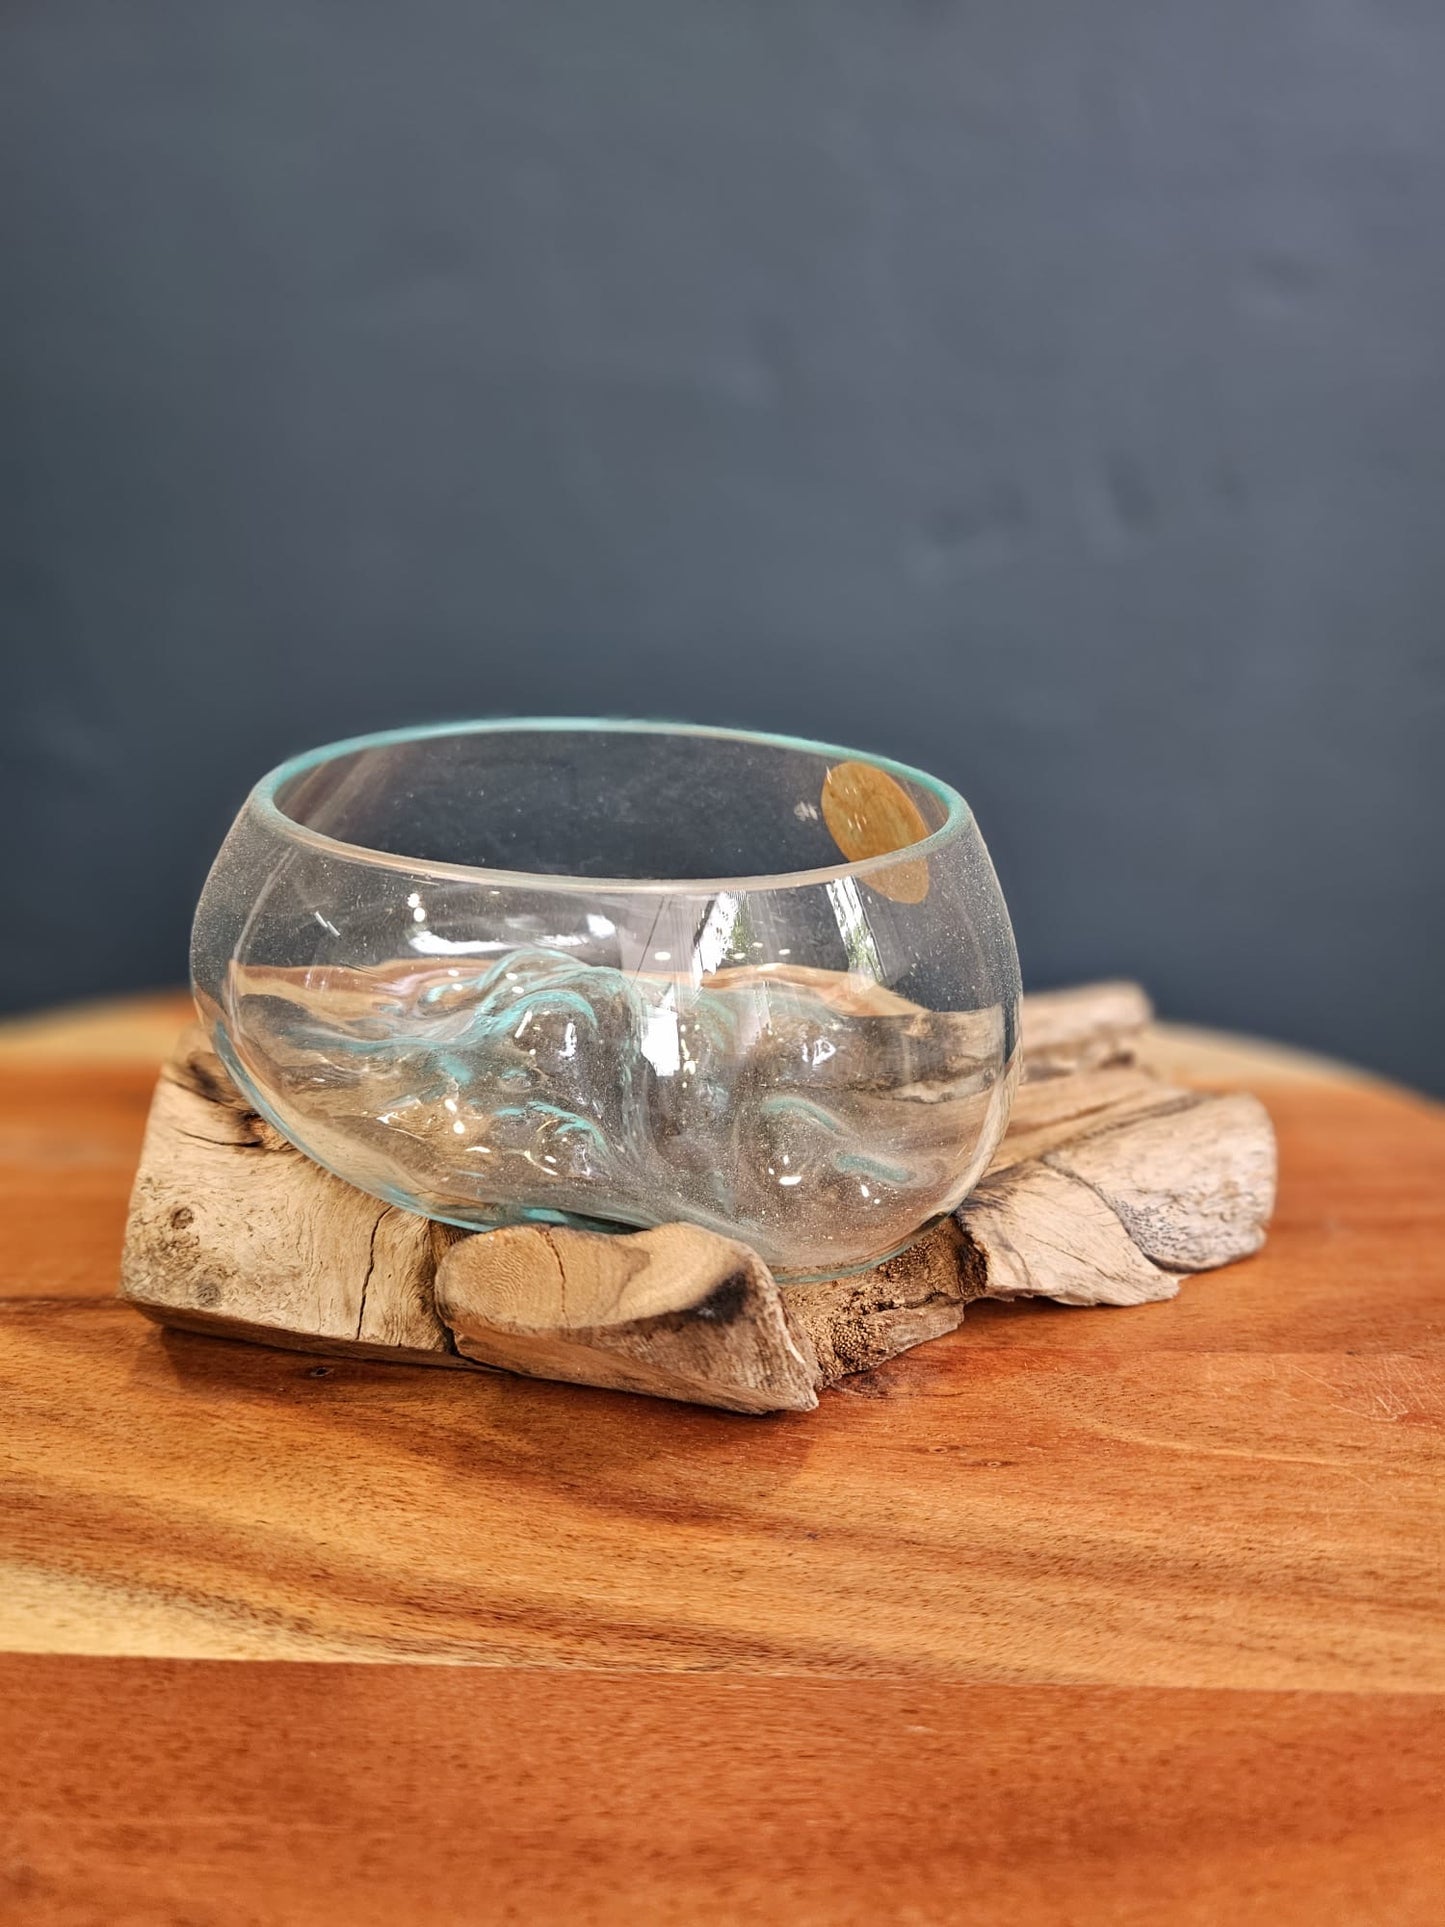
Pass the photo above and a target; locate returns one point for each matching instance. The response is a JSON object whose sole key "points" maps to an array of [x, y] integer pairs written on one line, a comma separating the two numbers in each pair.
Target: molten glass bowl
{"points": [[616, 974]]}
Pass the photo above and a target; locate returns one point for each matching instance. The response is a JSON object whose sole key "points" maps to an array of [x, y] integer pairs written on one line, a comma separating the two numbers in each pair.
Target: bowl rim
{"points": [[264, 801]]}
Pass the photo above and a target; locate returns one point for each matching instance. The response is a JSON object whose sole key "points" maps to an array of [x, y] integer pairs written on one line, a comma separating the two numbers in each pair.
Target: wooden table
{"points": [[1074, 1616]]}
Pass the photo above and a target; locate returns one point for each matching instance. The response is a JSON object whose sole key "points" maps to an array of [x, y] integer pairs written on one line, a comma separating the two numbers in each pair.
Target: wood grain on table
{"points": [[1074, 1615]]}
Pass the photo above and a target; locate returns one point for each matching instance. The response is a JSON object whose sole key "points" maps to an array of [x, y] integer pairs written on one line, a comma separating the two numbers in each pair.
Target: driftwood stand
{"points": [[1110, 1183]]}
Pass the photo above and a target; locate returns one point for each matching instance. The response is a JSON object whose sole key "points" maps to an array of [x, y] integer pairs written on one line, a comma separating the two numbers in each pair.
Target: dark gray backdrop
{"points": [[1047, 394]]}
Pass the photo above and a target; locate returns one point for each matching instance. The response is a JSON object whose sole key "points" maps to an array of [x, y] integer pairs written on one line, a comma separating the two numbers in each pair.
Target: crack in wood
{"points": [[370, 1268]]}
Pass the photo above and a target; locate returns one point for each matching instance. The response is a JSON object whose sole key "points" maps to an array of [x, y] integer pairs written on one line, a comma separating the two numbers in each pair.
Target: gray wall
{"points": [[1048, 394]]}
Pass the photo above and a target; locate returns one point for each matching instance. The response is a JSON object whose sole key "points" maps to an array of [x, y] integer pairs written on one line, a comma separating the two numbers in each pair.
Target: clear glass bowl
{"points": [[611, 974]]}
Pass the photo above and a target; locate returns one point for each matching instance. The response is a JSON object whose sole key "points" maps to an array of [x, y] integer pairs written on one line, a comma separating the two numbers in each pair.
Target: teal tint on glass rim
{"points": [[617, 974]]}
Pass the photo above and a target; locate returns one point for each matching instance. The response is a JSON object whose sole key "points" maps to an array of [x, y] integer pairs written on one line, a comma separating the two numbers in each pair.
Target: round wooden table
{"points": [[1072, 1616]]}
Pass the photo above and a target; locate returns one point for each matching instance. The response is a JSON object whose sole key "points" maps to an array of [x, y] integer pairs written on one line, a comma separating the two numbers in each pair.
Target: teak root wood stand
{"points": [[1110, 1183]]}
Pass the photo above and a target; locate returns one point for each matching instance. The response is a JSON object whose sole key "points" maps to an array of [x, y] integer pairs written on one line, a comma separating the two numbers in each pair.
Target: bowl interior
{"points": [[618, 801]]}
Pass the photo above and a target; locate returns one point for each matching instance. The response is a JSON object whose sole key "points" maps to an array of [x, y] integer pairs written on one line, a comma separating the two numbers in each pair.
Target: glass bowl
{"points": [[616, 974]]}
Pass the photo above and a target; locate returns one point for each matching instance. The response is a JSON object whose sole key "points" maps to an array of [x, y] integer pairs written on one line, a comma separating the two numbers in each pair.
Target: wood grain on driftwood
{"points": [[677, 1312], [1109, 1184], [233, 1230]]}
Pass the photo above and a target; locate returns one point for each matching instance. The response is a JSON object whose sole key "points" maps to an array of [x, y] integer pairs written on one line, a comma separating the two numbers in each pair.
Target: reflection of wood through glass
{"points": [[808, 1110], [869, 814]]}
